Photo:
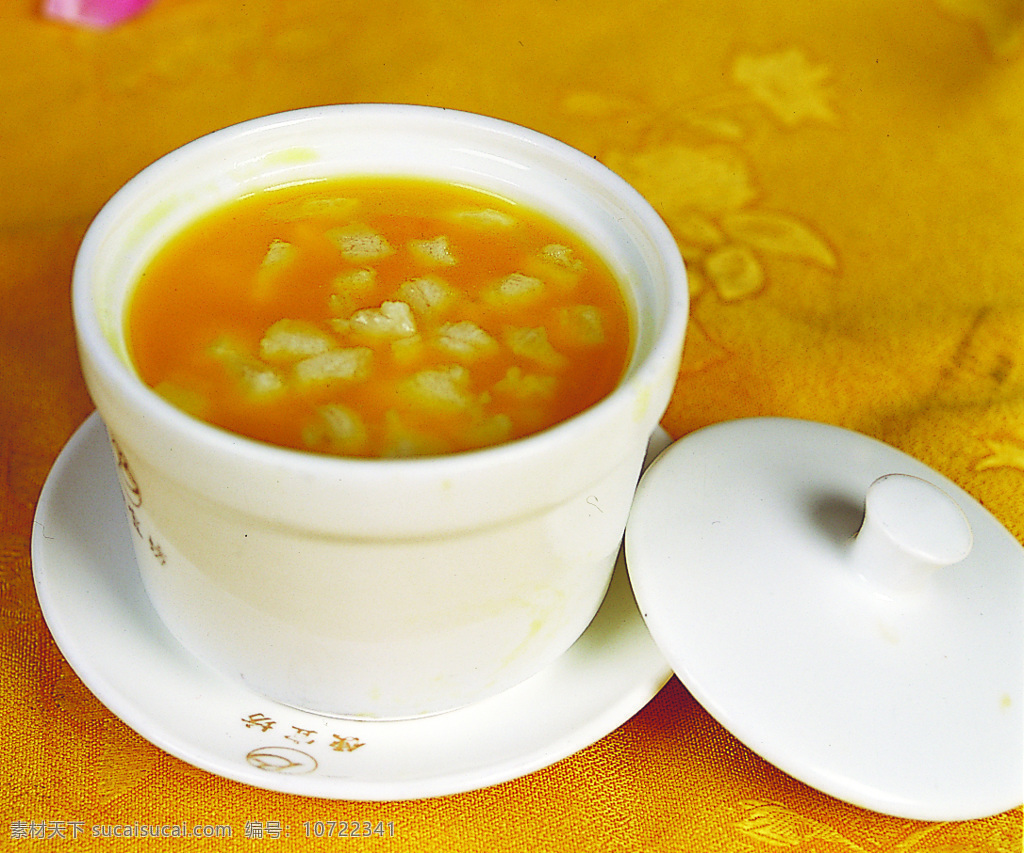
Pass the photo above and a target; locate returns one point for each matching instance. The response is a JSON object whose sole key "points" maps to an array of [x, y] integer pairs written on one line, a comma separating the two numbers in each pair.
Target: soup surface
{"points": [[379, 317]]}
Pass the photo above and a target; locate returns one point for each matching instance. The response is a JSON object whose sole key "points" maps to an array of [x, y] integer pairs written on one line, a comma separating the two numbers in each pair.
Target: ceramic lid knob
{"points": [[911, 528]]}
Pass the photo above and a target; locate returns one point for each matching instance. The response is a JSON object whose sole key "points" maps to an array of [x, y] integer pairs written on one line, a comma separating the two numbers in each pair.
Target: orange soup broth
{"points": [[208, 285]]}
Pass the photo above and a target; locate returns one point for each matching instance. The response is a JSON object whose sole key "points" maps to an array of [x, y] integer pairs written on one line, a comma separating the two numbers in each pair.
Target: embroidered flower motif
{"points": [[704, 196], [735, 272], [703, 187], [776, 825], [1002, 454], [787, 84], [677, 177], [1001, 22], [780, 234]]}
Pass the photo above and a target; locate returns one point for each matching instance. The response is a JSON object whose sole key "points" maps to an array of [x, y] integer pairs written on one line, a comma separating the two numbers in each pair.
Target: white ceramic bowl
{"points": [[378, 588]]}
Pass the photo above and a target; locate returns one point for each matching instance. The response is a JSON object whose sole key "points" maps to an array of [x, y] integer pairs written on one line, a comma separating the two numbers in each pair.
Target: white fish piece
{"points": [[561, 256], [391, 320], [258, 380], [360, 243], [488, 430], [465, 340], [353, 288], [532, 343], [279, 257], [514, 289], [427, 294], [486, 218], [290, 340], [336, 429], [345, 364], [401, 440], [442, 389], [526, 386], [582, 324], [435, 251]]}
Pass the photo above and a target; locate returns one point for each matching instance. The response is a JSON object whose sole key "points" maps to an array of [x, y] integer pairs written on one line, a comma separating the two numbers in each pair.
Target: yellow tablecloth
{"points": [[846, 182]]}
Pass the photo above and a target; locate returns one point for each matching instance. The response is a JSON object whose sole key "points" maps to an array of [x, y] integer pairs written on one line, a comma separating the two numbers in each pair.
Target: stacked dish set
{"points": [[845, 611]]}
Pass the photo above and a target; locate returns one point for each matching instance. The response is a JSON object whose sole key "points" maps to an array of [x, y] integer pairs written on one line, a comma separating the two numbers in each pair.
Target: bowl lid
{"points": [[848, 613]]}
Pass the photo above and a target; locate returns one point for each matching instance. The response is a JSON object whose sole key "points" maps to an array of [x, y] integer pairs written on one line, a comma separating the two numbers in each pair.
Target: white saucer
{"points": [[95, 606]]}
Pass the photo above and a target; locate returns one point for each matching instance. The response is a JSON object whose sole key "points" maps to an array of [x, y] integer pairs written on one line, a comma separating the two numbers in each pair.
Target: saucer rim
{"points": [[640, 681]]}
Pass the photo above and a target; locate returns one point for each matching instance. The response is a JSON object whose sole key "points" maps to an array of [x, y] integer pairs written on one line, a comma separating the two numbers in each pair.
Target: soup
{"points": [[379, 317]]}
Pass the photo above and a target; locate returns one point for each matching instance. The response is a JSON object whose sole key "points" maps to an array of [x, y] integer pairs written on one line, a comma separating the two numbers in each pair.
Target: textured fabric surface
{"points": [[846, 183]]}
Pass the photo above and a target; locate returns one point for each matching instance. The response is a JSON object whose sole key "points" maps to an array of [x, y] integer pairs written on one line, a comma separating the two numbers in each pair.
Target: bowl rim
{"points": [[95, 347]]}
